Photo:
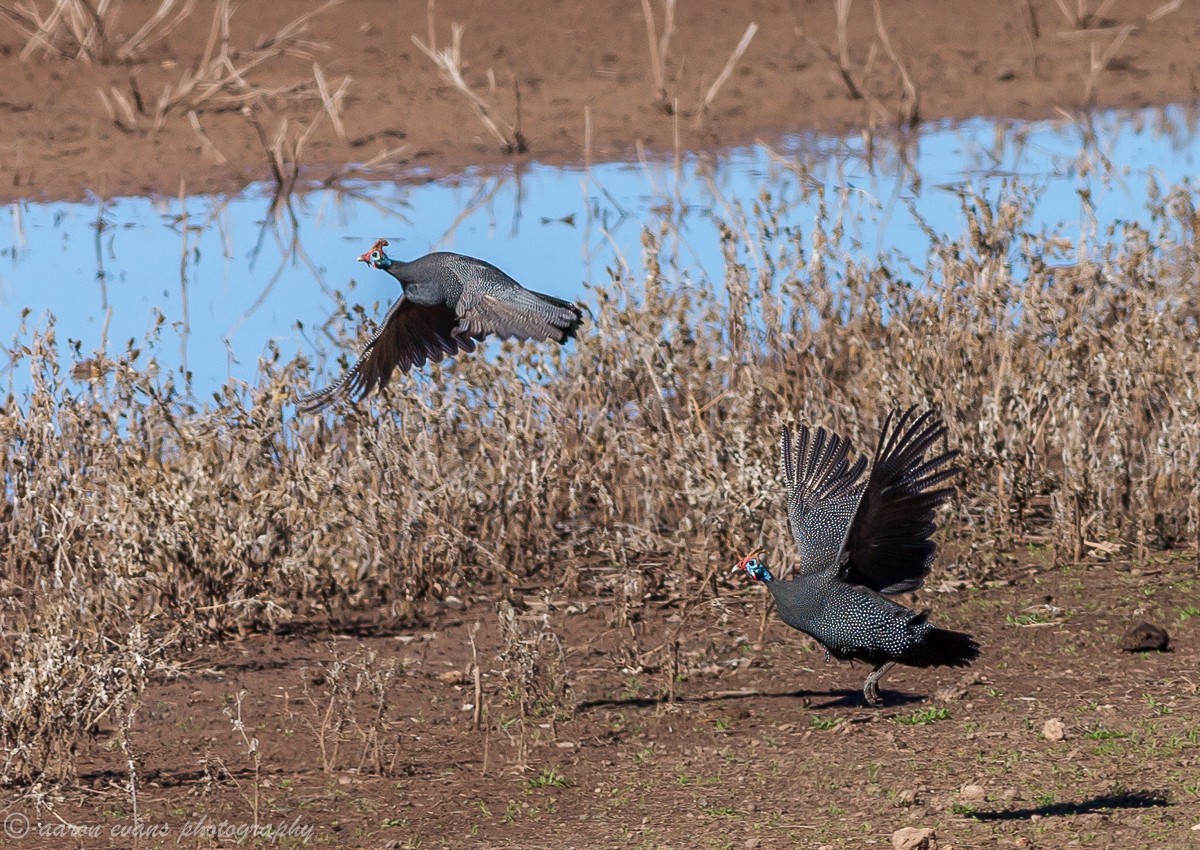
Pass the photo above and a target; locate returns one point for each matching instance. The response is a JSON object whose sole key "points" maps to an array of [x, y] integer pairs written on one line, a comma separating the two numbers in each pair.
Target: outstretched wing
{"points": [[823, 490], [889, 549], [411, 335]]}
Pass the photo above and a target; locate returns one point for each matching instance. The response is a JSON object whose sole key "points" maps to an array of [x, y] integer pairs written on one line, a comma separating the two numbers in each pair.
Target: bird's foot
{"points": [[871, 686]]}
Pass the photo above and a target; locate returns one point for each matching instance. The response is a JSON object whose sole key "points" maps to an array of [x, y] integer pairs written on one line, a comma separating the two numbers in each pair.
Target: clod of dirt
{"points": [[1145, 637], [451, 677], [958, 689], [972, 794], [914, 838], [1053, 730]]}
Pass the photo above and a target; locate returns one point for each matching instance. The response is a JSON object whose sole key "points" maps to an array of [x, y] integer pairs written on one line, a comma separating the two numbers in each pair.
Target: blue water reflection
{"points": [[227, 276]]}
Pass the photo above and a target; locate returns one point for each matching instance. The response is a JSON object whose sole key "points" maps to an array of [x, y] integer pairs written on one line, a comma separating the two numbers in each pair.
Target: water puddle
{"points": [[222, 278]]}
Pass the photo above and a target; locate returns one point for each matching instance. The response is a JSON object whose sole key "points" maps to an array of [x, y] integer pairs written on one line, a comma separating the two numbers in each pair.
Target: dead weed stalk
{"points": [[223, 78], [353, 705], [449, 64], [726, 72], [85, 31], [660, 46], [535, 677]]}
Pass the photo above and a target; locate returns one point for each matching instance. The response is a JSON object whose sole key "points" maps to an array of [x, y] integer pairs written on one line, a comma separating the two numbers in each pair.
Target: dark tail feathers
{"points": [[944, 648]]}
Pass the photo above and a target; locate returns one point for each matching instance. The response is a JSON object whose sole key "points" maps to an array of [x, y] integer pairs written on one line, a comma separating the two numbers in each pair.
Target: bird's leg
{"points": [[871, 687]]}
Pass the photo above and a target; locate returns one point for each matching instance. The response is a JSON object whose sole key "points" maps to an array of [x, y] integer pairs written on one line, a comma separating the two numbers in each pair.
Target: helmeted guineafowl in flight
{"points": [[859, 541], [450, 302]]}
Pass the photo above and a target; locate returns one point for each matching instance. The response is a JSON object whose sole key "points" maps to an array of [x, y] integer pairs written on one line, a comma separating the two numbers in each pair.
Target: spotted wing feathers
{"points": [[888, 548], [518, 312], [823, 490]]}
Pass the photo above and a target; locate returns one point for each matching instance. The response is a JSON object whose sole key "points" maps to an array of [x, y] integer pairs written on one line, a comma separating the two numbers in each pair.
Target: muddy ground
{"points": [[568, 60], [765, 746]]}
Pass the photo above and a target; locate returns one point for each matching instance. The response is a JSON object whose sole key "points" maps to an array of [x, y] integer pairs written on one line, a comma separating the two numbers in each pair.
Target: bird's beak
{"points": [[366, 257]]}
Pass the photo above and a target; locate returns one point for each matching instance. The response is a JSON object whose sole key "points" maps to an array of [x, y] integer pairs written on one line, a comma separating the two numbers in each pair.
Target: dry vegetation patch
{"points": [[629, 468]]}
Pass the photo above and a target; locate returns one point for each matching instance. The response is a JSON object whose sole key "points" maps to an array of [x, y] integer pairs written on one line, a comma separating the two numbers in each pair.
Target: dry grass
{"points": [[850, 75], [909, 112], [660, 47], [1091, 25], [449, 64], [1081, 17], [726, 72], [223, 78], [83, 31], [631, 466], [859, 79], [284, 150], [1099, 59]]}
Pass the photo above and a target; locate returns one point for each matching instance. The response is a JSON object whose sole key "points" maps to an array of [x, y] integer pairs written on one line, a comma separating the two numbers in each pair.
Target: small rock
{"points": [[344, 780], [972, 794], [1005, 74], [907, 797], [751, 843], [1053, 730], [914, 838], [1145, 637]]}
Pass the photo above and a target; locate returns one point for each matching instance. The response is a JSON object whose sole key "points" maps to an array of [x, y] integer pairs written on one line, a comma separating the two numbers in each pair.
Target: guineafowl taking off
{"points": [[859, 541], [449, 303]]}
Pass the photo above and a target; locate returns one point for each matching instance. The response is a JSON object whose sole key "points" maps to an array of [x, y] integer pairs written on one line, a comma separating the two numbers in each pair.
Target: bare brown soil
{"points": [[565, 58], [765, 746]]}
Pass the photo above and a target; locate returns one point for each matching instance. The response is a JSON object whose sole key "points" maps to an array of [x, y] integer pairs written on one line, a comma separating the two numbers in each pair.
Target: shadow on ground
{"points": [[1126, 800], [831, 699]]}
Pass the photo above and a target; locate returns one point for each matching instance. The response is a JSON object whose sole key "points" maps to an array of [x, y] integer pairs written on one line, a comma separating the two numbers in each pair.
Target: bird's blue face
{"points": [[376, 258], [754, 567]]}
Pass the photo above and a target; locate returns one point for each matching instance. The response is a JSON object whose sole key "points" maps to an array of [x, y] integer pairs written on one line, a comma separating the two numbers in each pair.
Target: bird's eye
{"points": [[752, 564], [376, 256]]}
